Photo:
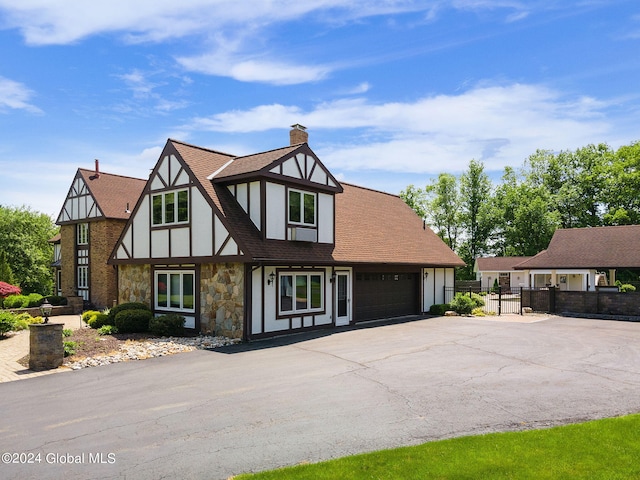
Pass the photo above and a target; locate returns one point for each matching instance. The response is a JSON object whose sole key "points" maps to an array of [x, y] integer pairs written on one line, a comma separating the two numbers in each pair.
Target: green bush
{"points": [[133, 321], [67, 332], [462, 304], [16, 301], [439, 309], [69, 347], [87, 315], [35, 299], [99, 320], [125, 306], [170, 325], [478, 301], [107, 330], [627, 287], [56, 300], [7, 323]]}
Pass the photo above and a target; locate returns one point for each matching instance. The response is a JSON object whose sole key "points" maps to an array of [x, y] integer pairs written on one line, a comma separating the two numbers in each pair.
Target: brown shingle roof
{"points": [[596, 247], [113, 192], [498, 264], [371, 226], [255, 162]]}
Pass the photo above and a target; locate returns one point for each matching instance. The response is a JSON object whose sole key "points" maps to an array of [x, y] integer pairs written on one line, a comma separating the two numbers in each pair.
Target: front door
{"points": [[343, 298]]}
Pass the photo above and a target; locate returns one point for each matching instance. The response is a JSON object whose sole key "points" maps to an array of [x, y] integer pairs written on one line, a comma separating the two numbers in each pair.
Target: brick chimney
{"points": [[298, 134], [97, 172]]}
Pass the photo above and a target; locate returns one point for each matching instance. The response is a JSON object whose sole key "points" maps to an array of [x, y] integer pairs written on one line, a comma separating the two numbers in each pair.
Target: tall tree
{"points": [[476, 217], [443, 208], [24, 236], [6, 274], [416, 198], [622, 187]]}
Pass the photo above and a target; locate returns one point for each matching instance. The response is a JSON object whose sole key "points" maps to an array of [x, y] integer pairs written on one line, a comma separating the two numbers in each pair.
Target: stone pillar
{"points": [[76, 304], [46, 349]]}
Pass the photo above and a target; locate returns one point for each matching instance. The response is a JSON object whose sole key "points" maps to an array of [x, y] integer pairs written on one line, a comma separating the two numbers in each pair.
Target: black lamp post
{"points": [[45, 309]]}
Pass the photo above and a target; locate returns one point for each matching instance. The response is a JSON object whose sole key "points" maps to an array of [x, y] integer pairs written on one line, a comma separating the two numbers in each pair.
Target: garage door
{"points": [[385, 295]]}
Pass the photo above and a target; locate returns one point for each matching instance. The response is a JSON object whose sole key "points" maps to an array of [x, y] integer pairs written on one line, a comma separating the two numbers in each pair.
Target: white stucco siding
{"points": [[276, 211], [325, 218], [180, 242], [254, 206], [201, 225], [140, 225], [160, 243]]}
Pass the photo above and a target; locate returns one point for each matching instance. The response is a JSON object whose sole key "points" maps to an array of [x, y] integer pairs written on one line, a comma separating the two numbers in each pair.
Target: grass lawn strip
{"points": [[600, 449]]}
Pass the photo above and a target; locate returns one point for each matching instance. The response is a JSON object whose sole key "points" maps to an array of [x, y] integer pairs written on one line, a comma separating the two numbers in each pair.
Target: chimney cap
{"points": [[297, 126]]}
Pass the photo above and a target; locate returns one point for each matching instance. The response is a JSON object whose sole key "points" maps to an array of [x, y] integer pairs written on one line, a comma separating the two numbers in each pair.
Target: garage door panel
{"points": [[385, 295]]}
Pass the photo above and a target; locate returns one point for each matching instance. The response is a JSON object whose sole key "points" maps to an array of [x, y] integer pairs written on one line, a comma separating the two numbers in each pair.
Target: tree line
{"points": [[589, 187]]}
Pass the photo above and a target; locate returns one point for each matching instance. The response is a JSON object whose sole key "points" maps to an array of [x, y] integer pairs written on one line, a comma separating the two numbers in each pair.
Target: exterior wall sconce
{"points": [[333, 277], [45, 309], [426, 275], [272, 277]]}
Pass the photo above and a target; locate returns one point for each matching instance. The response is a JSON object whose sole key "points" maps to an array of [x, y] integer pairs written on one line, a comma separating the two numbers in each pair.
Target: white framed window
{"points": [[175, 290], [83, 282], [300, 292], [170, 207], [82, 237], [302, 207]]}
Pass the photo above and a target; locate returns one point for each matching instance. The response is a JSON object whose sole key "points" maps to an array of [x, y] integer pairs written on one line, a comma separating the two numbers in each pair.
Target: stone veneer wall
{"points": [[222, 299], [134, 283]]}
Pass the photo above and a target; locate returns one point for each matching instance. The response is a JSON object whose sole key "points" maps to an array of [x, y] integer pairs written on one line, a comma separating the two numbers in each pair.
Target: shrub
{"points": [[125, 306], [99, 320], [168, 325], [87, 315], [69, 347], [133, 321], [107, 330], [23, 320], [478, 312], [627, 287], [56, 300], [7, 323], [34, 299], [67, 332], [37, 319], [20, 325], [439, 308], [7, 289], [16, 301], [477, 300], [462, 304]]}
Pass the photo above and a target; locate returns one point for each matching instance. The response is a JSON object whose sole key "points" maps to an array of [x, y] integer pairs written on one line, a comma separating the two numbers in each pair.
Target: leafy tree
{"points": [[443, 208], [476, 216], [6, 274], [416, 199], [24, 236], [622, 186]]}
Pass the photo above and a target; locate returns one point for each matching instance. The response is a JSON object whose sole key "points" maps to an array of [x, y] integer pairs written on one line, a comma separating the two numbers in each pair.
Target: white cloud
{"points": [[499, 125], [15, 96]]}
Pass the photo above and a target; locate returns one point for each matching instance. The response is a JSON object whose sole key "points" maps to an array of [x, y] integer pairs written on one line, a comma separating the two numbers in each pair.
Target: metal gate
{"points": [[497, 300]]}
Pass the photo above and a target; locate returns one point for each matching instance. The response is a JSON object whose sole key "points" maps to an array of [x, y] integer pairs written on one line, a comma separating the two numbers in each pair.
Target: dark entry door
{"points": [[385, 295]]}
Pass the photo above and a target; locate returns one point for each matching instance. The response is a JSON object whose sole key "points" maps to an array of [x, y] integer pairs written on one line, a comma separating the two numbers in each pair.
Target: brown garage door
{"points": [[385, 295]]}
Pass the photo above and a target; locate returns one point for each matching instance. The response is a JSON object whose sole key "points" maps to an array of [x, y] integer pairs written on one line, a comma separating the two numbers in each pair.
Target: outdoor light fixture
{"points": [[333, 277], [426, 275], [45, 309], [271, 278]]}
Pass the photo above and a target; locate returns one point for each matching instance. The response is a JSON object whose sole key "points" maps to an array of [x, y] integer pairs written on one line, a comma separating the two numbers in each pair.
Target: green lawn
{"points": [[602, 449]]}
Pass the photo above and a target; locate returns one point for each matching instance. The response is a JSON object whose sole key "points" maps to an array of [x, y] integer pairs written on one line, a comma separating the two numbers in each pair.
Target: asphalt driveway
{"points": [[214, 414]]}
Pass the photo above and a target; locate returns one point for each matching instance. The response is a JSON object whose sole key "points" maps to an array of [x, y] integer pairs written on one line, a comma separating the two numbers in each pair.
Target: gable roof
{"points": [[594, 247], [498, 264], [370, 226], [113, 193]]}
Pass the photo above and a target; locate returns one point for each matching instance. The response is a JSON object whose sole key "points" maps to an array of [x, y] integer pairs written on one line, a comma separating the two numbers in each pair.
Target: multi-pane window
{"points": [[82, 233], [302, 207], [175, 290], [83, 282], [170, 207], [301, 292]]}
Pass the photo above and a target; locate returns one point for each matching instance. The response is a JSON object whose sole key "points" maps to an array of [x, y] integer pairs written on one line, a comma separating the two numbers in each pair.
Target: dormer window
{"points": [[171, 207], [302, 208]]}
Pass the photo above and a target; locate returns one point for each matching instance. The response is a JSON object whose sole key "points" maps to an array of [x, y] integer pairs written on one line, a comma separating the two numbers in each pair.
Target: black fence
{"points": [[497, 300]]}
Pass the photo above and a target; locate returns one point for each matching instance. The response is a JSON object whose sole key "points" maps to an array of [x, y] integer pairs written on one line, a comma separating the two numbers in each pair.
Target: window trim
{"points": [[295, 312], [302, 209], [82, 233], [163, 207], [169, 272]]}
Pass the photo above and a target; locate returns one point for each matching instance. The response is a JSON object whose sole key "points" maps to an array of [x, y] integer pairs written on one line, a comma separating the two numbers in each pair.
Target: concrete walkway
{"points": [[15, 347]]}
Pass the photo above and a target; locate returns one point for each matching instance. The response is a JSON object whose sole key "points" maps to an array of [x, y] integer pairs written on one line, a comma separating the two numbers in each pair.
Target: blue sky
{"points": [[392, 92]]}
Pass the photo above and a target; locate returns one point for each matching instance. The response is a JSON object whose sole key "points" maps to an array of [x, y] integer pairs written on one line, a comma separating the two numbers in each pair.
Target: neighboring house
{"points": [[583, 258], [272, 243], [96, 209], [488, 269]]}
